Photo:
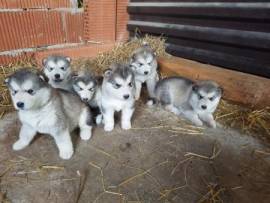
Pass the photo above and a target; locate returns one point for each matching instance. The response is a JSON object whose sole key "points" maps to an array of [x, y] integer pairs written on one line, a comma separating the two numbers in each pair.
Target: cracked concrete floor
{"points": [[162, 159]]}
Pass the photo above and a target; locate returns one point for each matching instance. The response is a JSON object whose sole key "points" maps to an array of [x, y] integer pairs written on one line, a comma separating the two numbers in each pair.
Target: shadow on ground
{"points": [[162, 159]]}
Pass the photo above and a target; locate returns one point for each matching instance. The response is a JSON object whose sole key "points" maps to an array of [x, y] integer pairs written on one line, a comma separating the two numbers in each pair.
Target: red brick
{"points": [[21, 29], [122, 20], [73, 25], [84, 51], [100, 20], [35, 4]]}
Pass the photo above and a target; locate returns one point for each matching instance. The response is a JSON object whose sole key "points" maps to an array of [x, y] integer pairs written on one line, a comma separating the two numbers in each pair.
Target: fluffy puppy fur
{"points": [[195, 101], [57, 69], [43, 109], [144, 64], [117, 94]]}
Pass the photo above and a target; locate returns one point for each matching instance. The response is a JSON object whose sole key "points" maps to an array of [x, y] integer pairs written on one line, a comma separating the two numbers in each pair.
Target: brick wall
{"points": [[33, 25]]}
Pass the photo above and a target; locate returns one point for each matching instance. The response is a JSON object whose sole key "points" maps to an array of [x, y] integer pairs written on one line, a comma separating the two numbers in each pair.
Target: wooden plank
{"points": [[244, 64], [242, 10], [236, 24], [216, 35], [238, 87]]}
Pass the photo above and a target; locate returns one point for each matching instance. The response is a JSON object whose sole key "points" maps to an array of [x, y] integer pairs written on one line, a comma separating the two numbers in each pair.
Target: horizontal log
{"points": [[230, 61], [236, 24], [218, 10], [238, 87], [218, 35]]}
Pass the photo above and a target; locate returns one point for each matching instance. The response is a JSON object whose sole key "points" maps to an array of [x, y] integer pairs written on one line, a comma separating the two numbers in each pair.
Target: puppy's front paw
{"points": [[66, 153], [197, 122], [19, 145], [99, 119], [86, 134], [108, 128], [126, 125], [212, 124]]}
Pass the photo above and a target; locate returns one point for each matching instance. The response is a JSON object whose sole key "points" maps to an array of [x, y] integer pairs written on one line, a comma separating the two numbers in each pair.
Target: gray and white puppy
{"points": [[58, 71], [43, 109], [144, 65], [117, 94], [195, 101], [86, 86]]}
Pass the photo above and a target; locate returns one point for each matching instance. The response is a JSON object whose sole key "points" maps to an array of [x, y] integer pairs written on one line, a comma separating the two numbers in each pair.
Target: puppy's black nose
{"points": [[146, 72], [20, 105], [57, 76], [204, 107], [85, 99], [126, 96]]}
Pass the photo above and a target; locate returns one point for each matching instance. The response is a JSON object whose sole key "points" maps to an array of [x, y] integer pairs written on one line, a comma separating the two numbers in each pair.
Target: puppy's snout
{"points": [[57, 76], [85, 99], [204, 107], [126, 96], [146, 72], [20, 105]]}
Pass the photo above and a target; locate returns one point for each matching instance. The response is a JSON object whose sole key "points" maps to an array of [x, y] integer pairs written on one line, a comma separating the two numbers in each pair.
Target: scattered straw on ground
{"points": [[255, 122]]}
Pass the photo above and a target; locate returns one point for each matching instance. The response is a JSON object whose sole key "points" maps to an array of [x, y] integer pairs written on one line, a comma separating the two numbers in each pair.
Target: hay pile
{"points": [[247, 120], [121, 53]]}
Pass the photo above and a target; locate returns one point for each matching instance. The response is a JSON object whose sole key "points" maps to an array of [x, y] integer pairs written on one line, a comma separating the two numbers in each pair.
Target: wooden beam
{"points": [[242, 88]]}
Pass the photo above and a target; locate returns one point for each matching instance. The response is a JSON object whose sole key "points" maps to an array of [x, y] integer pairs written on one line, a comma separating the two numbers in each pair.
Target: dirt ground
{"points": [[162, 159]]}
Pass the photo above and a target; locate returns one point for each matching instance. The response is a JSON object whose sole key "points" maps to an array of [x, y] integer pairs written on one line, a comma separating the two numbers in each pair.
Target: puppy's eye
{"points": [[91, 89], [62, 68], [140, 64], [200, 97], [149, 63], [80, 88], [14, 92], [50, 69], [211, 98], [130, 84], [30, 91], [117, 86]]}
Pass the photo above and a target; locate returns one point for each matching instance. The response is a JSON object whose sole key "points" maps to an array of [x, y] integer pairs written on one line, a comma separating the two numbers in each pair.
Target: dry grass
{"points": [[255, 122], [121, 53]]}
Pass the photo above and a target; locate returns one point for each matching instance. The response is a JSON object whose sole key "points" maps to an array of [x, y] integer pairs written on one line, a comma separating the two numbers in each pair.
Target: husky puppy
{"points": [[195, 101], [144, 65], [117, 94], [43, 109], [58, 71], [85, 85]]}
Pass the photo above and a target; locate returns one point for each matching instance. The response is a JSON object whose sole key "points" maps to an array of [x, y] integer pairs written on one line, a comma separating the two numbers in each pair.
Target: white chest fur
{"points": [[115, 104], [41, 120]]}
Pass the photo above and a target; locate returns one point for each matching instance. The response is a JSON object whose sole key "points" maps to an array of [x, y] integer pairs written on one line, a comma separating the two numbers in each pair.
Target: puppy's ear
{"points": [[131, 67], [220, 90], [107, 73], [68, 59], [74, 74], [42, 77], [6, 81], [44, 61], [195, 88]]}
